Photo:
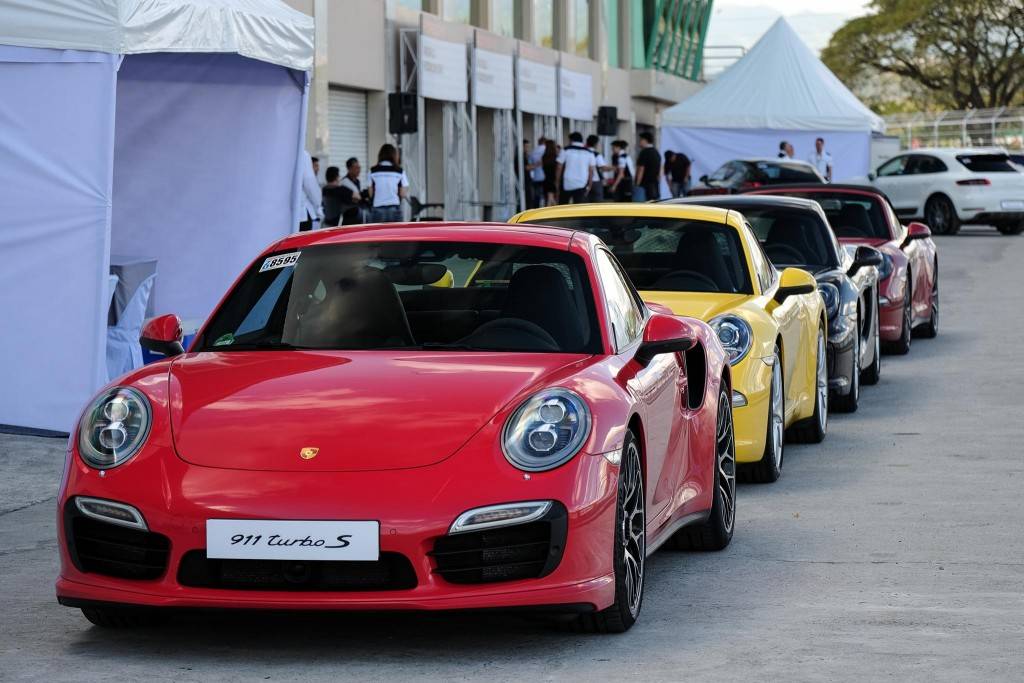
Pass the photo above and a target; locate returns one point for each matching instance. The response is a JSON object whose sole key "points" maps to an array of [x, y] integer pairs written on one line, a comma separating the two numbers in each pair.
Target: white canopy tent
{"points": [[778, 91], [170, 130]]}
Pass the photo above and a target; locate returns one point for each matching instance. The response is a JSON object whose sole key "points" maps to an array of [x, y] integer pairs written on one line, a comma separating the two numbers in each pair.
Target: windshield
{"points": [[670, 254], [793, 237], [410, 295], [856, 216], [777, 173]]}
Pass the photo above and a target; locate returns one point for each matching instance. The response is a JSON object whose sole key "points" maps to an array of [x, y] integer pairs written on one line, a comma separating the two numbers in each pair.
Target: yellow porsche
{"points": [[706, 263]]}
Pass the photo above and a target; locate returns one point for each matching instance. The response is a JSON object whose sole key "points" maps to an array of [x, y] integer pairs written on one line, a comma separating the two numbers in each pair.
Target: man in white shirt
{"points": [[312, 197], [535, 159], [575, 170], [821, 160], [600, 166]]}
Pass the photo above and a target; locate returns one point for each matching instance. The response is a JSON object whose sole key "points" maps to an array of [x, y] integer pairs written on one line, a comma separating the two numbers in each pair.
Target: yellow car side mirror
{"points": [[447, 280], [795, 281]]}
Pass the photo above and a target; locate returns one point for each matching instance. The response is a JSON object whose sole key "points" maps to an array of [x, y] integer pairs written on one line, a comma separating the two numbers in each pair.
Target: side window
{"points": [[623, 305], [897, 166], [927, 164], [763, 268]]}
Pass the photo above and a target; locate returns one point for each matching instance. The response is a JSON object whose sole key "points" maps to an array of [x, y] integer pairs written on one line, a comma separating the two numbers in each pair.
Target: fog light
{"points": [[500, 515], [109, 511]]}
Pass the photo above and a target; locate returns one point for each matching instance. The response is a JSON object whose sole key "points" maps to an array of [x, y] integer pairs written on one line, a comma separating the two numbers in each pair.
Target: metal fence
{"points": [[1001, 127]]}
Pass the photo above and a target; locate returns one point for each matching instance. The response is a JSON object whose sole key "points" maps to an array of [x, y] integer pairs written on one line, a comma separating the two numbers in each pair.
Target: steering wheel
{"points": [[511, 333], [783, 253], [687, 281]]}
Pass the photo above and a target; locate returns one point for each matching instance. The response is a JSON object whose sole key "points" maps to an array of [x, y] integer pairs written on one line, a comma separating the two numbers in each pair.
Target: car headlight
{"points": [[547, 430], [735, 334], [830, 295], [114, 427], [885, 270]]}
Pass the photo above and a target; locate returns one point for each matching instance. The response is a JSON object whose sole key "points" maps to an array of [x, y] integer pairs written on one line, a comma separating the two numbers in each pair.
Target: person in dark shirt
{"points": [[332, 197], [352, 193], [679, 174], [648, 170]]}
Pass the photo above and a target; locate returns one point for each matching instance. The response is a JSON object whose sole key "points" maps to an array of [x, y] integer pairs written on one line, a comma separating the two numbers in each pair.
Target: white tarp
{"points": [[267, 30], [442, 70], [575, 94], [537, 88], [493, 80], [779, 85]]}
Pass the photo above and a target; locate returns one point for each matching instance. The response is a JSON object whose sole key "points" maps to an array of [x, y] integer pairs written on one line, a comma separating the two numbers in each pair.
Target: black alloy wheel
{"points": [[930, 329], [769, 467], [1011, 228], [940, 215], [901, 346], [813, 428], [873, 372], [849, 402]]}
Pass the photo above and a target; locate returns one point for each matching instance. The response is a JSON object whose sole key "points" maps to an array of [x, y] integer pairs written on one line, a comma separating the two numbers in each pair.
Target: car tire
{"points": [[769, 467], [813, 428], [628, 554], [901, 346], [716, 532], [1011, 228], [930, 329], [940, 215], [849, 402], [114, 617], [873, 372]]}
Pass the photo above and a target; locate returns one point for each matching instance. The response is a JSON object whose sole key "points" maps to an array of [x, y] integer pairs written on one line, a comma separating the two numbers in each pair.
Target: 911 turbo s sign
{"points": [[260, 539]]}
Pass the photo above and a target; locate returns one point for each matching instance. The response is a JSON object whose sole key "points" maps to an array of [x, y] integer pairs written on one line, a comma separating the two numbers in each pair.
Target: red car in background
{"points": [[908, 293], [405, 417]]}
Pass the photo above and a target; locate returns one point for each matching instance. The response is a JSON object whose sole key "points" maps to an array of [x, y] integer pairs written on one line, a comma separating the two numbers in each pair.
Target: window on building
{"points": [[610, 28], [456, 10], [411, 4], [544, 22], [503, 18], [581, 27]]}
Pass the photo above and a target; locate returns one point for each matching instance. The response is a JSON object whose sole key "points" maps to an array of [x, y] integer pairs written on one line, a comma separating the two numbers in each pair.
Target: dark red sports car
{"points": [[405, 417], [908, 292]]}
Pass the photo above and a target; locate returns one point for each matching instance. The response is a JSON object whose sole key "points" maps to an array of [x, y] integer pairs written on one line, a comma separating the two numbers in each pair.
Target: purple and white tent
{"points": [[171, 130]]}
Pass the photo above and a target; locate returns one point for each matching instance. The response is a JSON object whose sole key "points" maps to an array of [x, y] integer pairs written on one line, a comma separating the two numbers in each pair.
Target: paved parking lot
{"points": [[893, 550]]}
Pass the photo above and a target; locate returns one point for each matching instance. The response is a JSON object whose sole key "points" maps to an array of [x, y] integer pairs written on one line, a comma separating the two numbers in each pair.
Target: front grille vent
{"points": [[102, 548], [392, 571]]}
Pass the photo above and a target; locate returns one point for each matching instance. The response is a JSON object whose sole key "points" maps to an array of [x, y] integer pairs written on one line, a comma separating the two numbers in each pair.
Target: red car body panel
{"points": [[919, 257], [409, 438]]}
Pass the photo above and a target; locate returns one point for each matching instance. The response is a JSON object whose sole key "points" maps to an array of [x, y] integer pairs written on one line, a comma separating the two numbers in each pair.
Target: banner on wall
{"points": [[493, 80], [575, 95], [537, 88], [442, 70]]}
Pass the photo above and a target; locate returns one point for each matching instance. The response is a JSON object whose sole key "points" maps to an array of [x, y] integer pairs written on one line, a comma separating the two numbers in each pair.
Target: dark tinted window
{"points": [[851, 215], [410, 295], [793, 237], [668, 254], [771, 172], [730, 172], [926, 164], [897, 166], [986, 163]]}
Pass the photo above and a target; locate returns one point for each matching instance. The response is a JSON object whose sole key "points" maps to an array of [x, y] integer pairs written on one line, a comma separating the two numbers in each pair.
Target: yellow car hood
{"points": [[701, 305]]}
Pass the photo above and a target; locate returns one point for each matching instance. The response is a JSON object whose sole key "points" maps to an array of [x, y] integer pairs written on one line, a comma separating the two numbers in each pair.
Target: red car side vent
{"points": [[974, 181]]}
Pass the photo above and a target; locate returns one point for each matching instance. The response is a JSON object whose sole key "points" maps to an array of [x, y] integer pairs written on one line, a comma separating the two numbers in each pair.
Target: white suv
{"points": [[949, 186]]}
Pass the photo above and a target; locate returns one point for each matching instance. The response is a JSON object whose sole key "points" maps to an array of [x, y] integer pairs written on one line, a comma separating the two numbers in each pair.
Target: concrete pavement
{"points": [[893, 550]]}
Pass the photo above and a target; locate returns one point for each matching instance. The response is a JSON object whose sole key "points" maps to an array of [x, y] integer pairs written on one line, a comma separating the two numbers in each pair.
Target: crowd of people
{"points": [[579, 172]]}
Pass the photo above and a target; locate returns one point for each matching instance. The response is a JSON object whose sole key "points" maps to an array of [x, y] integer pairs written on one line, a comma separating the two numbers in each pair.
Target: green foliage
{"points": [[945, 54]]}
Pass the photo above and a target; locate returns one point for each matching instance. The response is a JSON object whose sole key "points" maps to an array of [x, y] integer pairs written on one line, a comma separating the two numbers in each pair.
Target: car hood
{"points": [[701, 305], [363, 410]]}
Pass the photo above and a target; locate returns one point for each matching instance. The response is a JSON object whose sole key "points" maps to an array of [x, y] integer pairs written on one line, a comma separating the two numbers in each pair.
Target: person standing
{"points": [[549, 173], [680, 174], [312, 197], [600, 166], [648, 170], [388, 186], [332, 197], [575, 170], [352, 193], [537, 173], [822, 160], [785, 150], [625, 170]]}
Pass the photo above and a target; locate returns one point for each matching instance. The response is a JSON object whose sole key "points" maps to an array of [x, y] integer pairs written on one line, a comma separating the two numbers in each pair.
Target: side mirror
{"points": [[918, 231], [163, 335], [865, 257], [703, 179], [794, 281], [663, 334], [871, 175]]}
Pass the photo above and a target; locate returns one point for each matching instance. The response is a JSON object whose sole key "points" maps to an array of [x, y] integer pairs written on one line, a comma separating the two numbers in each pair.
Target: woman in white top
{"points": [[388, 186]]}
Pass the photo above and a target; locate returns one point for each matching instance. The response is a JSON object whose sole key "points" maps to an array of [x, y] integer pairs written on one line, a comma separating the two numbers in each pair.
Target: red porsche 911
{"points": [[908, 279], [397, 417]]}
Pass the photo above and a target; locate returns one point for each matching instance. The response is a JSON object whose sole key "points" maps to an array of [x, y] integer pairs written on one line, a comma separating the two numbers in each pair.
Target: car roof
{"points": [[954, 151], [692, 212], [541, 236], [852, 188], [738, 201]]}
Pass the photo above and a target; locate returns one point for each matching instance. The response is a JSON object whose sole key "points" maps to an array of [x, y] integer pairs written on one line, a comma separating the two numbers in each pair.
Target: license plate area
{"points": [[263, 539], [1013, 204]]}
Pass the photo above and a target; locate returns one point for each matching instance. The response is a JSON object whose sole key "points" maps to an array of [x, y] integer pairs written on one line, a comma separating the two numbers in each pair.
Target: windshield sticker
{"points": [[280, 261], [225, 340]]}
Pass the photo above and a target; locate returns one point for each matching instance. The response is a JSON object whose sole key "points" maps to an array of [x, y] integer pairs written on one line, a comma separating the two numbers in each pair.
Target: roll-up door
{"points": [[346, 118]]}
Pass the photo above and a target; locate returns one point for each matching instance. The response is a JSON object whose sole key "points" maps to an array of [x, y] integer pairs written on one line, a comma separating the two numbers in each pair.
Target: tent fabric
{"points": [[266, 30], [56, 169], [192, 188], [709, 148], [779, 85]]}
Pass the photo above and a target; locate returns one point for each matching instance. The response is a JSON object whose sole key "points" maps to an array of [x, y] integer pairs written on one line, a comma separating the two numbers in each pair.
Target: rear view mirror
{"points": [[663, 334], [865, 257], [703, 179], [163, 334], [794, 281], [918, 231]]}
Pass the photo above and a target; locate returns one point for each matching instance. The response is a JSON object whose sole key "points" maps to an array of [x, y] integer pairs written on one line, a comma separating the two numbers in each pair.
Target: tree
{"points": [[960, 53]]}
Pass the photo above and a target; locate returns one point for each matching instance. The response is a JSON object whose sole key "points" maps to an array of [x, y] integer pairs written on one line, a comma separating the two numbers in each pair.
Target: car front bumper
{"points": [[751, 377], [414, 507]]}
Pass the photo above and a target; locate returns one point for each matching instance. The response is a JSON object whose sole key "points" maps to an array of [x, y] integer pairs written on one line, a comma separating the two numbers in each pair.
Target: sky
{"points": [[742, 22]]}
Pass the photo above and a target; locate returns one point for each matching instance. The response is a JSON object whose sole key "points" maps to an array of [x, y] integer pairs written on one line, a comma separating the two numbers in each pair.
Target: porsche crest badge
{"points": [[308, 453]]}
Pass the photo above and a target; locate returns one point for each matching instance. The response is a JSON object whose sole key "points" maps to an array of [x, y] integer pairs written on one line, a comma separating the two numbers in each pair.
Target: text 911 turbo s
{"points": [[439, 417]]}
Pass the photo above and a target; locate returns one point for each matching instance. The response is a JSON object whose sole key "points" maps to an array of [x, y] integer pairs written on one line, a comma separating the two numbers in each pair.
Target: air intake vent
{"points": [[112, 550], [392, 571]]}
